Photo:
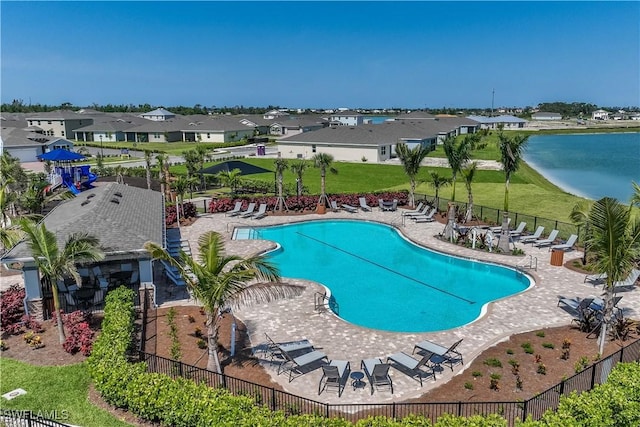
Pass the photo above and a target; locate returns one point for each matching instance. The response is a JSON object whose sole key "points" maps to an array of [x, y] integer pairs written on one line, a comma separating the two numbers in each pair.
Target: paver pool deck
{"points": [[296, 318]]}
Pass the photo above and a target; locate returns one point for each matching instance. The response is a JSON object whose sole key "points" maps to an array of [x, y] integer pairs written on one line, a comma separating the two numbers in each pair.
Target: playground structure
{"points": [[75, 177]]}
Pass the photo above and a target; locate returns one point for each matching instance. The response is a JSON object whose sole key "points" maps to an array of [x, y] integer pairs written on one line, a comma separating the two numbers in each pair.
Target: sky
{"points": [[327, 54]]}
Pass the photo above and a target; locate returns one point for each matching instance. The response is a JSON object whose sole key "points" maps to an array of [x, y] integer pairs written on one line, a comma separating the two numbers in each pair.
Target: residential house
{"points": [[294, 126], [216, 129], [545, 116], [600, 115], [506, 121], [346, 118], [60, 123], [26, 145], [158, 115]]}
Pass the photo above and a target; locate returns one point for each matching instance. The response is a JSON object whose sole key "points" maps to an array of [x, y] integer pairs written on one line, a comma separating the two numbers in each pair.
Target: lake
{"points": [[588, 165]]}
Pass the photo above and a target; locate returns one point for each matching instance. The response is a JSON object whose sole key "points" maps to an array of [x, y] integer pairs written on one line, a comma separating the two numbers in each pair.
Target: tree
{"points": [[202, 151], [580, 216], [614, 240], [411, 158], [230, 178], [438, 182], [163, 172], [298, 169], [181, 186], [55, 264], [323, 162], [281, 165], [147, 162], [468, 174], [457, 155], [218, 280], [511, 150]]}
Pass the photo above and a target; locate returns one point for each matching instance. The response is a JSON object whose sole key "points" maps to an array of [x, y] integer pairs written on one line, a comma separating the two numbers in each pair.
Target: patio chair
{"points": [[576, 305], [237, 209], [333, 376], [548, 241], [276, 349], [532, 237], [566, 246], [377, 373], [518, 231], [97, 274], [249, 211], [596, 279], [70, 302], [425, 211], [98, 298], [334, 206], [629, 283], [412, 367], [425, 218], [449, 356], [363, 204], [297, 366], [262, 212], [414, 211], [349, 208], [598, 304]]}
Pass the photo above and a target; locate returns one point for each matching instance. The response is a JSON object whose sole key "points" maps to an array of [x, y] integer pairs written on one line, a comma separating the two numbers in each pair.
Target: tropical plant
{"points": [[298, 169], [55, 264], [580, 217], [230, 178], [219, 280], [323, 162], [469, 174], [438, 181], [511, 150], [614, 240], [163, 171], [147, 165], [203, 152], [457, 155], [181, 185], [192, 162], [281, 165], [411, 158]]}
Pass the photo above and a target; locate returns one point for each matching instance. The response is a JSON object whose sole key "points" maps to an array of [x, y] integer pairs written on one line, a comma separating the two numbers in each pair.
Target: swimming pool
{"points": [[382, 281]]}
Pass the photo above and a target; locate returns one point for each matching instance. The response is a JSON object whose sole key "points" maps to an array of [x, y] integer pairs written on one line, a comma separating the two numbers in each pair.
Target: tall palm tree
{"points": [[468, 174], [202, 152], [181, 186], [298, 169], [614, 240], [580, 216], [55, 264], [437, 182], [323, 162], [411, 158], [147, 163], [281, 165], [457, 155], [9, 237], [218, 280], [230, 178], [511, 150], [162, 160]]}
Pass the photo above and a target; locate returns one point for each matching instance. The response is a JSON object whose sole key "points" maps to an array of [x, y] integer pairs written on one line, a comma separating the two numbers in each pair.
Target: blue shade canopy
{"points": [[61, 155]]}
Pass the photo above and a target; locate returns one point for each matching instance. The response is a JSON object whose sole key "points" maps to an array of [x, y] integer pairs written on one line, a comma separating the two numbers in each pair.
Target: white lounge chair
{"points": [[548, 241], [349, 208], [423, 212], [425, 218], [237, 209], [249, 211], [596, 279], [363, 204], [449, 356], [417, 210], [567, 246], [518, 231], [262, 212], [412, 367], [532, 237], [628, 283]]}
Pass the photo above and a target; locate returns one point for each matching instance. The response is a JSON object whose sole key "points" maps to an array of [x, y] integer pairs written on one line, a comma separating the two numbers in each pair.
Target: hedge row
{"points": [[181, 402]]}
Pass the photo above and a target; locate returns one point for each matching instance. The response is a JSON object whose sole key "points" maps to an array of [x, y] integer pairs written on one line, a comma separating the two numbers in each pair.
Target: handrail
{"points": [[321, 302], [234, 223], [533, 264]]}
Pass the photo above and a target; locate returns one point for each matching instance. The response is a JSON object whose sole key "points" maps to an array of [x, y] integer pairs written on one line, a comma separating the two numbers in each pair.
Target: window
{"points": [[313, 148], [48, 122], [383, 150], [62, 133], [208, 135], [156, 135]]}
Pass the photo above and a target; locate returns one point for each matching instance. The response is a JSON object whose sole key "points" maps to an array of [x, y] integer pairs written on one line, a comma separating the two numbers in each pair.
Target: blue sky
{"points": [[321, 54]]}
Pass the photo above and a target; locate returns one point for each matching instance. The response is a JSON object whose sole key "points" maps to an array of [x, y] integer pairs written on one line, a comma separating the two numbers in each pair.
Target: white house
{"points": [[507, 122], [26, 145], [600, 115], [346, 118], [159, 114], [545, 116]]}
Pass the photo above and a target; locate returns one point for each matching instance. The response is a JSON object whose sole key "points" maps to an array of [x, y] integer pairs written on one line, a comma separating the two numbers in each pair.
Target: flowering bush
{"points": [[12, 310], [79, 333], [188, 210]]}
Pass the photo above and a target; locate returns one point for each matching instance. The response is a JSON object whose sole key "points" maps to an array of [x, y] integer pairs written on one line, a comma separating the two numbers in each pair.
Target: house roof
{"points": [[14, 137], [158, 112], [122, 217], [219, 123], [497, 119], [546, 114], [151, 126], [57, 115], [112, 126], [422, 115]]}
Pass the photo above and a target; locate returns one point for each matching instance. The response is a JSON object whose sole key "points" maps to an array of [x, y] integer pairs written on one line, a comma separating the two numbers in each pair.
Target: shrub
{"points": [[540, 334], [581, 364], [509, 351], [542, 369], [566, 343], [548, 345], [12, 310], [527, 347], [476, 374], [468, 385], [493, 362], [202, 344], [79, 333]]}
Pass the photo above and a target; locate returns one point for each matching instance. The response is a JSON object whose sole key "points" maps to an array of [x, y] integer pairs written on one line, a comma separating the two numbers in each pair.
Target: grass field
{"points": [[59, 390]]}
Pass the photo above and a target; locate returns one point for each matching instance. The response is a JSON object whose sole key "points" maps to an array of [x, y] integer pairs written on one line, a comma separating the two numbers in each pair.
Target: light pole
{"points": [[101, 149]]}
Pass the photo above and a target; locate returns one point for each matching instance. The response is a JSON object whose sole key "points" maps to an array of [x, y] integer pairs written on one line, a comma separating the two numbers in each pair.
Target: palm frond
{"points": [[264, 292]]}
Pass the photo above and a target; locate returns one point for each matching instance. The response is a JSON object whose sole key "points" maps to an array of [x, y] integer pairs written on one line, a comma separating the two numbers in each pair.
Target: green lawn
{"points": [[62, 389]]}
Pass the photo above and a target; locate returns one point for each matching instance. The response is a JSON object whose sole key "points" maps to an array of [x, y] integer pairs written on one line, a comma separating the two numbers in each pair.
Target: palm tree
{"points": [[281, 165], [147, 161], [614, 240], [438, 182], [9, 237], [298, 169], [411, 158], [323, 162], [511, 150], [457, 155], [202, 152], [181, 185], [468, 174], [218, 280], [55, 264], [580, 217], [163, 172], [230, 178]]}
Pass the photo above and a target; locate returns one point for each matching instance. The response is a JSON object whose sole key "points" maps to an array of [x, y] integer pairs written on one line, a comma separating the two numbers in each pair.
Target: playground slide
{"points": [[55, 182], [68, 181], [91, 177]]}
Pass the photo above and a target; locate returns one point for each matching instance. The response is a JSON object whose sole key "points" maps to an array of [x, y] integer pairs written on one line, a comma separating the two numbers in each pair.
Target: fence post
{"points": [[562, 388], [393, 410], [224, 380], [459, 408], [273, 399], [593, 375], [525, 407], [326, 410]]}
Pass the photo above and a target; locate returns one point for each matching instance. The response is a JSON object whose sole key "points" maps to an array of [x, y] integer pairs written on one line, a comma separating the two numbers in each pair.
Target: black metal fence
{"points": [[293, 405], [494, 216]]}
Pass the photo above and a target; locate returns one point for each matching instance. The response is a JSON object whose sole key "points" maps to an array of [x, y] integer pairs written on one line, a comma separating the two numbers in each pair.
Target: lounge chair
{"points": [[249, 211], [598, 304], [596, 279], [262, 212], [575, 304], [425, 218], [412, 367], [548, 241], [277, 349], [349, 208], [377, 373], [423, 212], [449, 356], [334, 206], [498, 228], [567, 246], [333, 376], [532, 237], [237, 209], [629, 283], [363, 204], [518, 231], [414, 211], [297, 366]]}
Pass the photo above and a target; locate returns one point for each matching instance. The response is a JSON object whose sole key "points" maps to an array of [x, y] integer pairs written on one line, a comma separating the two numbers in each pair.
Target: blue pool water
{"points": [[381, 281]]}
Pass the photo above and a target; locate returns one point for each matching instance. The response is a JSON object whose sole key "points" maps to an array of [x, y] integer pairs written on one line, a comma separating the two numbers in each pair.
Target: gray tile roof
{"points": [[14, 137], [121, 222], [173, 125], [57, 115], [215, 123]]}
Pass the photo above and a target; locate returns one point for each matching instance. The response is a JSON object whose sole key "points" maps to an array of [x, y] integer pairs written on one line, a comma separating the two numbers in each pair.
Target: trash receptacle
{"points": [[557, 257]]}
